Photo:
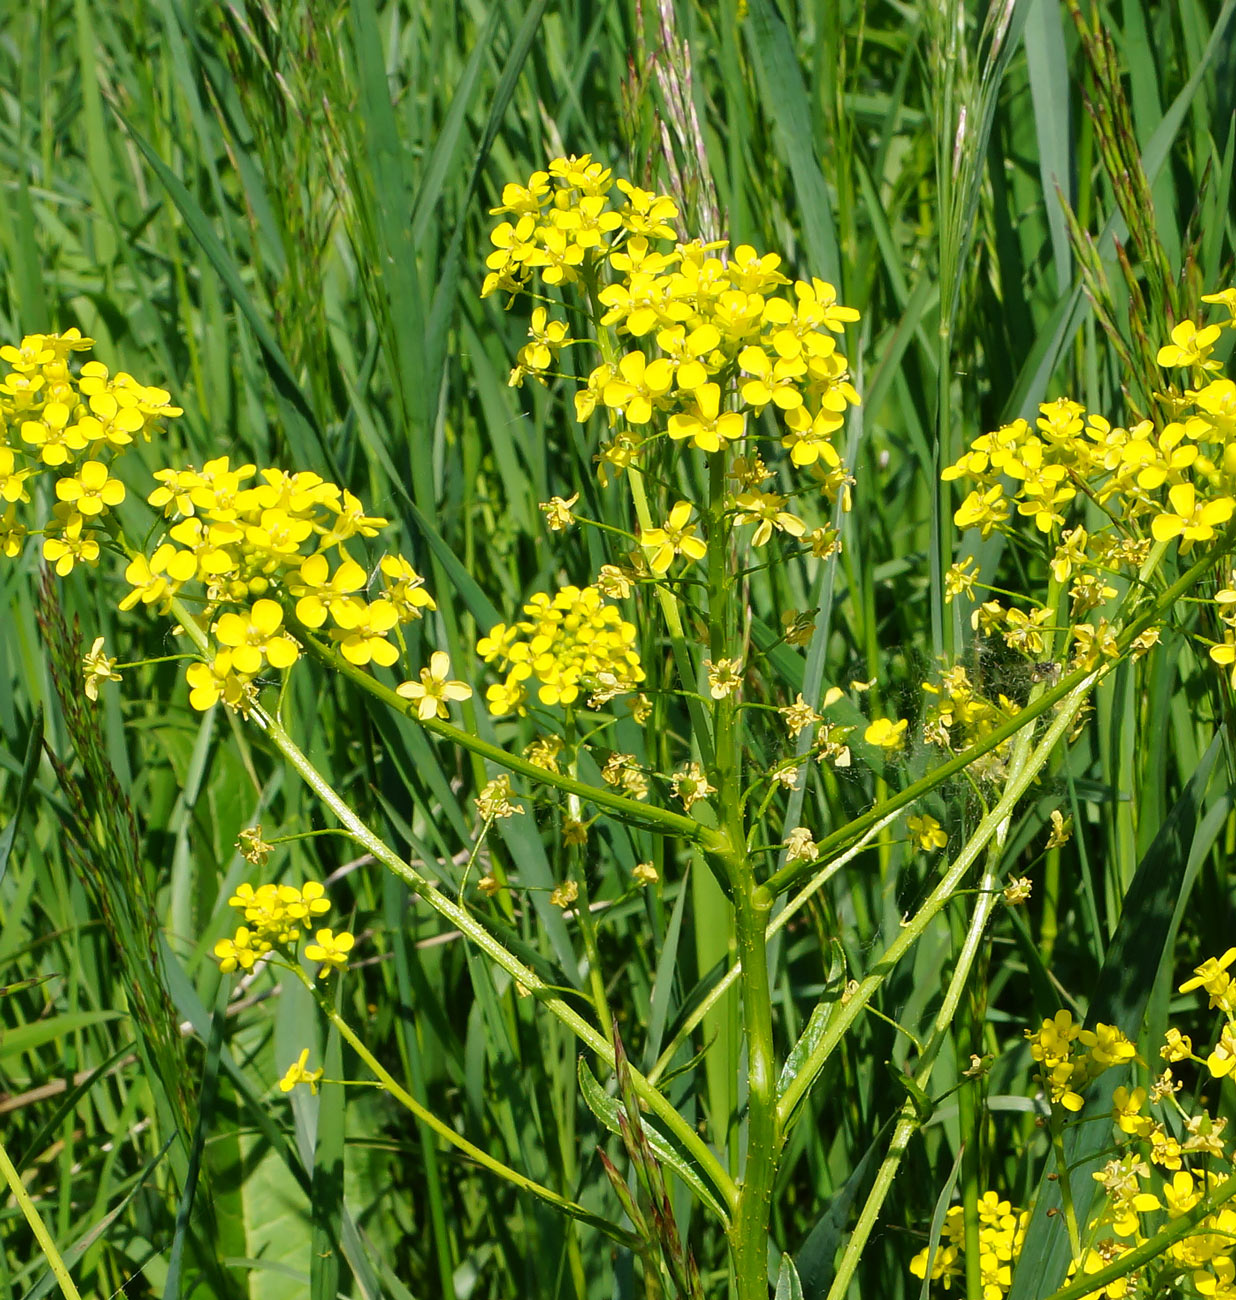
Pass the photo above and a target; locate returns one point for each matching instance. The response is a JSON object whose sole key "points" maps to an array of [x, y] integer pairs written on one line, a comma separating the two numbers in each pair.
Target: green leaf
{"points": [[607, 1109], [788, 1285]]}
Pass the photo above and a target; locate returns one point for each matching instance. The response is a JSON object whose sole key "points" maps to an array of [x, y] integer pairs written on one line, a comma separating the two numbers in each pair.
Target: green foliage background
{"points": [[279, 212]]}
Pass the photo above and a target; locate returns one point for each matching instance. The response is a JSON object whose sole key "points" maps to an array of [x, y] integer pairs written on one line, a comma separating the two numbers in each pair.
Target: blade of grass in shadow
{"points": [[786, 97], [30, 766], [1048, 66], [326, 1198], [304, 435]]}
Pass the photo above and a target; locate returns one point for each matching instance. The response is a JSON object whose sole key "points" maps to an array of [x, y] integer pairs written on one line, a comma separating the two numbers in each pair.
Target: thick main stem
{"points": [[749, 1234], [752, 904]]}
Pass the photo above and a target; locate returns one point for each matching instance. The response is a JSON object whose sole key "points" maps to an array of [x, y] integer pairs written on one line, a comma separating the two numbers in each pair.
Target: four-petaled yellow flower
{"points": [[434, 689], [1190, 519], [675, 537], [91, 491], [256, 637], [1190, 346], [926, 832], [331, 949]]}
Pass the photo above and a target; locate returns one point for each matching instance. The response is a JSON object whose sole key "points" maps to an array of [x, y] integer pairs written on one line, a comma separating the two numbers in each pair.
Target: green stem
{"points": [[448, 1134], [662, 821], [752, 903], [749, 1235], [687, 673], [466, 923], [1019, 781], [779, 922], [1092, 1284], [1064, 1181], [596, 979], [28, 1208], [789, 876], [910, 1121]]}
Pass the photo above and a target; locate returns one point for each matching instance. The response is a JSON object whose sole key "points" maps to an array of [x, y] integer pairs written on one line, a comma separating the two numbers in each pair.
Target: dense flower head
{"points": [[1002, 1229], [260, 545], [275, 918], [709, 338], [1166, 479], [569, 642], [67, 421]]}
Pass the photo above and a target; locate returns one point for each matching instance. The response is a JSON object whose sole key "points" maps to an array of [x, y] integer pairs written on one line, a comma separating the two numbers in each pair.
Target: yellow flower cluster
{"points": [[274, 916], [715, 335], [1160, 1168], [1002, 1229], [569, 641], [257, 543], [70, 423], [1070, 1057], [1160, 480], [1180, 475]]}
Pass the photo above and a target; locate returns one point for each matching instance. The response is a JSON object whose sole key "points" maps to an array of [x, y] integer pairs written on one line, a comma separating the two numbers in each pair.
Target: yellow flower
{"points": [[959, 580], [799, 846], [709, 428], [495, 800], [297, 1073], [215, 681], [1127, 1112], [690, 785], [565, 894], [886, 734], [256, 636], [91, 491], [318, 589], [433, 690], [1176, 1046], [404, 588], [799, 715], [252, 847], [1189, 519], [771, 381], [1061, 830], [926, 832], [12, 534], [644, 873], [331, 949], [724, 677], [1228, 298], [67, 543], [351, 521], [1212, 976], [639, 386], [675, 537], [239, 952], [765, 510], [362, 630], [98, 668], [56, 439], [1190, 346], [12, 480]]}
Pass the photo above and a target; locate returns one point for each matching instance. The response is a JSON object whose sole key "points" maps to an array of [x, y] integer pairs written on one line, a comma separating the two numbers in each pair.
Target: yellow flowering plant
{"points": [[712, 394], [1162, 1222]]}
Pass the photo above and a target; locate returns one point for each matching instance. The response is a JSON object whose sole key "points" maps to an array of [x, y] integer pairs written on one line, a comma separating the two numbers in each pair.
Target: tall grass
{"points": [[278, 211]]}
